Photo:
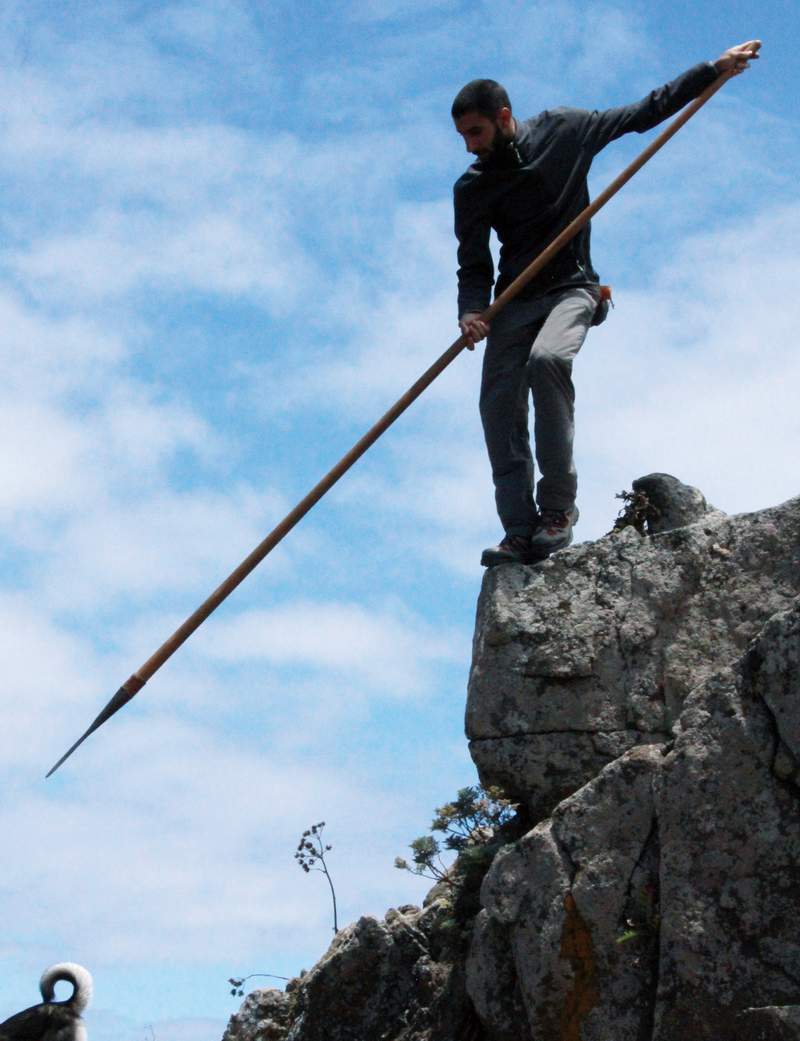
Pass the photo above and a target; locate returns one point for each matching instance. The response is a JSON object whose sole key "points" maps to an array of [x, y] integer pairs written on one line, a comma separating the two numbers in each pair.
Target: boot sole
{"points": [[490, 559]]}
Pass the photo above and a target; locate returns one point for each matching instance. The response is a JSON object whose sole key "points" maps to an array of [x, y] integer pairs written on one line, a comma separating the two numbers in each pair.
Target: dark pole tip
{"points": [[122, 697], [67, 754]]}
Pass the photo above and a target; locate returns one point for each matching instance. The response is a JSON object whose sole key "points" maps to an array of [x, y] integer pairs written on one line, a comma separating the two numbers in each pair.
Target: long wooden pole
{"points": [[138, 679]]}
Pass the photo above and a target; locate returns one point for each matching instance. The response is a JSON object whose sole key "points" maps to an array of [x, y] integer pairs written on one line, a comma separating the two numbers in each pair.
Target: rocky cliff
{"points": [[639, 696]]}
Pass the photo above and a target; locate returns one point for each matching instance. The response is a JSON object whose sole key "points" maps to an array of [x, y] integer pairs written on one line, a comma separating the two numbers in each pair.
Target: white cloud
{"points": [[165, 542], [386, 649], [105, 1025], [225, 26], [695, 377], [221, 252], [180, 1030], [558, 53], [384, 10], [47, 671], [48, 356], [73, 423], [393, 333], [436, 497], [216, 898], [610, 38], [44, 467]]}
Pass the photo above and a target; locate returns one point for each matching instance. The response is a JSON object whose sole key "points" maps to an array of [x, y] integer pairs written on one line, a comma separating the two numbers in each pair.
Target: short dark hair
{"points": [[486, 97]]}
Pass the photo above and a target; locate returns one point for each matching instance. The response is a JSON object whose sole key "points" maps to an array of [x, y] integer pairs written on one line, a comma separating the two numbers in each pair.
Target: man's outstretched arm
{"points": [[660, 104]]}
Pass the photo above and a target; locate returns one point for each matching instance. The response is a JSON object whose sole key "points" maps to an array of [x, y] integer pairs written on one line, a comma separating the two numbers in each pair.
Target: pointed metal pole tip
{"points": [[122, 697]]}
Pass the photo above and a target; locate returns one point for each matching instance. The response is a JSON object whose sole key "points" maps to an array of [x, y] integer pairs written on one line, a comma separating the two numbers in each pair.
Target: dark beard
{"points": [[498, 141], [503, 152]]}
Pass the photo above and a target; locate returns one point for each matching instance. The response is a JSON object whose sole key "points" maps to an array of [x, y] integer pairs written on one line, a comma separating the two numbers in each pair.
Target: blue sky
{"points": [[227, 249]]}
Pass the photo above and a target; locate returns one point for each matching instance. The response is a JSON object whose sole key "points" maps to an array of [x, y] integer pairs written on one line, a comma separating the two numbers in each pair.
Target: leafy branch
{"points": [[468, 823]]}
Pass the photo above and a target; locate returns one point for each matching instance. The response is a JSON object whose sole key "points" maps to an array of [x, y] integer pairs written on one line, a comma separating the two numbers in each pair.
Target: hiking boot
{"points": [[554, 532], [514, 549]]}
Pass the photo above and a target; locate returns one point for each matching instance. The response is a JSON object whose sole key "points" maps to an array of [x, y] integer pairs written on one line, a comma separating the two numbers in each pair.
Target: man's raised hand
{"points": [[473, 328], [736, 59]]}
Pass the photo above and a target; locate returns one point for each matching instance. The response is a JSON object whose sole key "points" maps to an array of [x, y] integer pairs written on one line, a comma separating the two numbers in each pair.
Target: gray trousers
{"points": [[536, 358]]}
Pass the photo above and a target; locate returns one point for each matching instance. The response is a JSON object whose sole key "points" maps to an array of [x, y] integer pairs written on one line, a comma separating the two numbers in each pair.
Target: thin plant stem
{"points": [[310, 851], [333, 897]]}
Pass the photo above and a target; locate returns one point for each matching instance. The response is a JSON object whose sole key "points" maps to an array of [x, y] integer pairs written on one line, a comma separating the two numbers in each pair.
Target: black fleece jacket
{"points": [[536, 184]]}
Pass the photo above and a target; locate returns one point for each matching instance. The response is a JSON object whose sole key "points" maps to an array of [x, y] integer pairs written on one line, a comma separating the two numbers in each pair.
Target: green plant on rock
{"points": [[473, 826]]}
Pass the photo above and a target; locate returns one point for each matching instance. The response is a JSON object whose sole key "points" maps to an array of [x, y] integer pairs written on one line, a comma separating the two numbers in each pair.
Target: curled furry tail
{"points": [[73, 973]]}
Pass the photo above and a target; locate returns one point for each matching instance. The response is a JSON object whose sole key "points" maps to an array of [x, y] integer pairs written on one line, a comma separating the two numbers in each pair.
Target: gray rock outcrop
{"points": [[378, 980], [263, 1015], [674, 504], [640, 697], [661, 899], [595, 651]]}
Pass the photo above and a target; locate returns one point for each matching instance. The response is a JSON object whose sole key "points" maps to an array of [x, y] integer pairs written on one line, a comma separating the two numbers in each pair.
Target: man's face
{"points": [[481, 134]]}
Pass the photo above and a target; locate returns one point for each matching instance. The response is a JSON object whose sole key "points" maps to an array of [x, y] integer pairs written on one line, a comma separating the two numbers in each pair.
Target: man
{"points": [[528, 183]]}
